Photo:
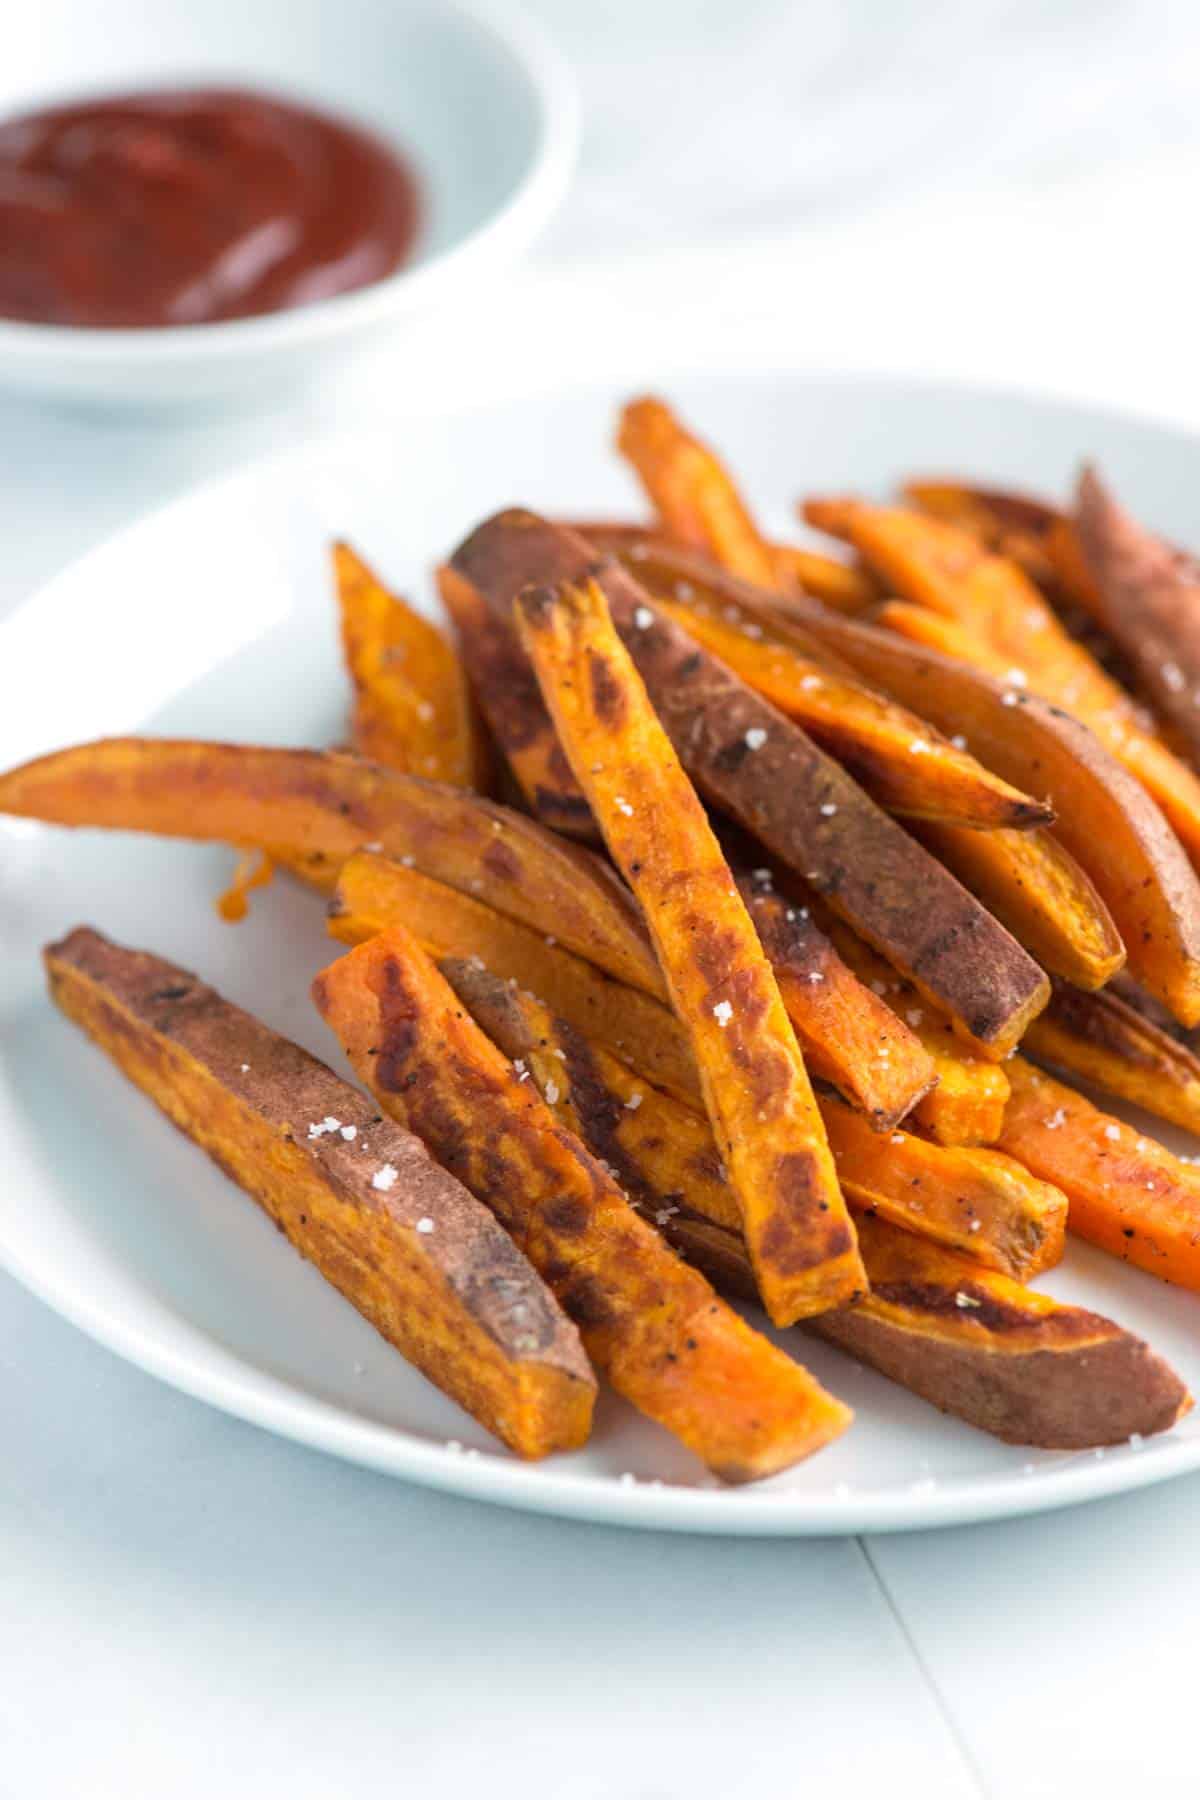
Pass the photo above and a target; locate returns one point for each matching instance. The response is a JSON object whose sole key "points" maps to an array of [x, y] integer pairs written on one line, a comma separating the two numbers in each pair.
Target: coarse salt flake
{"points": [[349, 1132], [385, 1177], [552, 1092], [722, 1012], [1112, 1132], [245, 1068], [808, 682], [828, 809], [1016, 677], [322, 1127], [959, 741], [623, 806], [965, 1300], [643, 618], [1008, 698], [425, 1226], [919, 747], [633, 1102], [756, 737], [424, 711], [1173, 676]]}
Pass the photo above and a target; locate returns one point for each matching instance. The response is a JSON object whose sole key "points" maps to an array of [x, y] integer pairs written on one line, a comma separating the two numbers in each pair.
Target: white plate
{"points": [[214, 617]]}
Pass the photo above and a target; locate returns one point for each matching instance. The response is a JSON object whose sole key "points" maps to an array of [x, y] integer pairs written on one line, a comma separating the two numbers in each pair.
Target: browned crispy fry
{"points": [[1101, 1039], [1035, 887], [413, 1252], [311, 809], [374, 893], [511, 702], [1104, 818], [752, 1074], [967, 1104], [981, 1203], [650, 1323], [902, 762], [848, 1035], [1149, 597], [952, 1329], [412, 709], [1126, 1193], [761, 768], [692, 492], [1016, 1363]]}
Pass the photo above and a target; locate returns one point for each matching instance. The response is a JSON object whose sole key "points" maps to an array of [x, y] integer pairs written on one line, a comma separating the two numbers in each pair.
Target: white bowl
{"points": [[484, 107]]}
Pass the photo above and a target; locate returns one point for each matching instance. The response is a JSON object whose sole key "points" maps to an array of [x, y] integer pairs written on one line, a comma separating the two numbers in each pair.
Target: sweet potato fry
{"points": [[373, 894], [358, 1196], [692, 492], [841, 585], [1012, 630], [412, 709], [511, 701], [1126, 1193], [946, 1325], [763, 770], [1149, 598], [904, 764], [1012, 525], [1014, 1362], [756, 1089], [984, 1204], [1005, 1358], [1064, 552], [1037, 889], [977, 1201], [946, 569], [650, 1323], [849, 1037], [1104, 818], [967, 1104], [311, 809], [1101, 1039]]}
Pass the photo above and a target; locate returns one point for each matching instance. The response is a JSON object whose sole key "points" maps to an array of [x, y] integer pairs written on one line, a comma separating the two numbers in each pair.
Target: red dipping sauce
{"points": [[183, 208]]}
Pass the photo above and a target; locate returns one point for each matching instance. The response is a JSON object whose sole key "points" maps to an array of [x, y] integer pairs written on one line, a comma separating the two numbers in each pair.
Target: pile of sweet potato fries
{"points": [[724, 917]]}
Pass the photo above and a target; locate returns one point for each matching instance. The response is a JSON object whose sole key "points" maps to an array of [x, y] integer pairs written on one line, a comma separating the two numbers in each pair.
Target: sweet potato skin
{"points": [[1149, 599], [511, 702], [1008, 1360], [653, 1325], [1101, 1039], [374, 893], [1035, 887], [1104, 818], [311, 809], [1013, 1362], [756, 1089], [1126, 1193], [903, 763], [457, 1299], [664, 1155], [801, 805], [412, 709]]}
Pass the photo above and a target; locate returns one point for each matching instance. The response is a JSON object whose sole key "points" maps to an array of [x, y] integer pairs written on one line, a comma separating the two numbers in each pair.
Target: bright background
{"points": [[189, 1606]]}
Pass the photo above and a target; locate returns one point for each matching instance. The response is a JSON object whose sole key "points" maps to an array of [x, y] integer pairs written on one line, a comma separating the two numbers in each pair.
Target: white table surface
{"points": [[188, 1605]]}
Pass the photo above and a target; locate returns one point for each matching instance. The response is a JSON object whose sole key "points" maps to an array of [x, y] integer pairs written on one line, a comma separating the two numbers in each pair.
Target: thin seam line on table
{"points": [[974, 1772]]}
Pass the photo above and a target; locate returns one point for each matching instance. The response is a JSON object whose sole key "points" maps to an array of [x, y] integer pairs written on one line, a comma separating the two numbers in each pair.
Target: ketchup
{"points": [[181, 208]]}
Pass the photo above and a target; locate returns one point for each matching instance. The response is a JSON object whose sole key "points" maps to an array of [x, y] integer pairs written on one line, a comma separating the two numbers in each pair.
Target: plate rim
{"points": [[245, 1390]]}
